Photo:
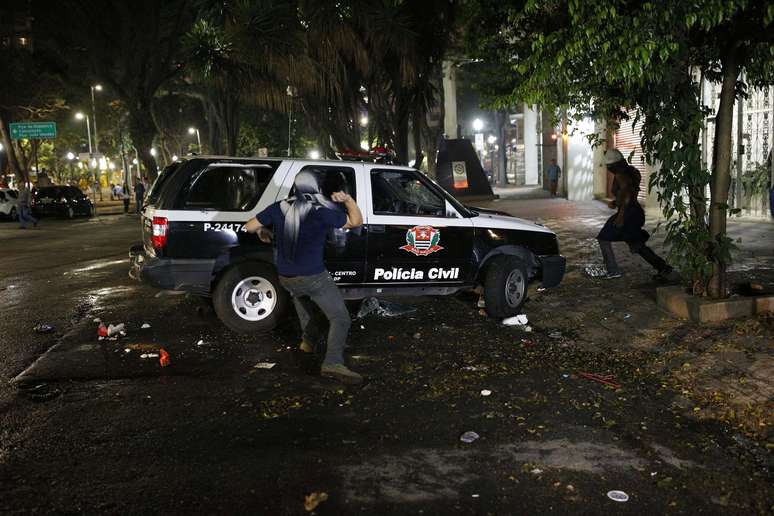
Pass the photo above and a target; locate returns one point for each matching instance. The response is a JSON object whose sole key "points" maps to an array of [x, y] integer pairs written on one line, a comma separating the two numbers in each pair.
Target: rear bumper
{"points": [[552, 269], [193, 276]]}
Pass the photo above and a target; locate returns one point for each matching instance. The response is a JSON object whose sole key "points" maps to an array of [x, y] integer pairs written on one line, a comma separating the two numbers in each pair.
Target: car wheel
{"points": [[13, 215], [505, 286], [248, 298]]}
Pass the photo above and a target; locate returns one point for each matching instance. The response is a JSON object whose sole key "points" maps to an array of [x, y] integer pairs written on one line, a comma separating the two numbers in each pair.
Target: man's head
{"points": [[614, 160], [553, 161]]}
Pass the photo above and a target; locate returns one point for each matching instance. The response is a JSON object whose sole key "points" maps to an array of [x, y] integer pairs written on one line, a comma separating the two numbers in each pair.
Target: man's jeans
{"points": [[608, 255], [319, 304], [25, 215]]}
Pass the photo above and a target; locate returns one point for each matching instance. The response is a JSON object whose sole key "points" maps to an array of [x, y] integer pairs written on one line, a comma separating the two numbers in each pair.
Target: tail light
{"points": [[160, 226]]}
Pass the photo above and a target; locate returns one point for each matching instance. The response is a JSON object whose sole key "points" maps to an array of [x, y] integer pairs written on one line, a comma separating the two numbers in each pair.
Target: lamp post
{"points": [[97, 87], [291, 92], [81, 116], [194, 130], [71, 157]]}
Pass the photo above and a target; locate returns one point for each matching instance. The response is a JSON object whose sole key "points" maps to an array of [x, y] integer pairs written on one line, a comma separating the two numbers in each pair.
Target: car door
{"points": [[345, 249], [415, 235]]}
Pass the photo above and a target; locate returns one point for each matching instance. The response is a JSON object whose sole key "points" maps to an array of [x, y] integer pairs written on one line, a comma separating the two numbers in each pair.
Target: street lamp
{"points": [[364, 121], [81, 116], [491, 139], [153, 151], [194, 130], [478, 124], [96, 87], [314, 154]]}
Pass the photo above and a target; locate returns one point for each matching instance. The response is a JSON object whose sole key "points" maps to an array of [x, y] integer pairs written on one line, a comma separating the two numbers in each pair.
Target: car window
{"points": [[162, 178], [49, 192], [73, 192], [402, 192], [13, 194], [228, 188], [332, 179]]}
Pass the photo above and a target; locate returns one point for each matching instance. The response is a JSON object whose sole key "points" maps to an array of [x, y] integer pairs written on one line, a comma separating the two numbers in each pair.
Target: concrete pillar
{"points": [[532, 167], [450, 126], [600, 170]]}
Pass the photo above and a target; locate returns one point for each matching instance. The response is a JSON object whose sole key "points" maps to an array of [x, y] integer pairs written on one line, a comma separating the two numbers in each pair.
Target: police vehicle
{"points": [[416, 238]]}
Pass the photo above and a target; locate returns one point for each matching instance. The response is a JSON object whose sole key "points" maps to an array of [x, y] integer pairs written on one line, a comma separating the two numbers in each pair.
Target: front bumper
{"points": [[552, 269], [194, 276]]}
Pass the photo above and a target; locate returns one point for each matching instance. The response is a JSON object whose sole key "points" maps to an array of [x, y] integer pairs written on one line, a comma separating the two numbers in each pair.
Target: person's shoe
{"points": [[305, 348], [667, 275], [341, 373], [612, 275]]}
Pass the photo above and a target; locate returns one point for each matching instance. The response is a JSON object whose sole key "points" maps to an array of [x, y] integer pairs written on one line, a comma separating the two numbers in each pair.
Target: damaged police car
{"points": [[416, 239]]}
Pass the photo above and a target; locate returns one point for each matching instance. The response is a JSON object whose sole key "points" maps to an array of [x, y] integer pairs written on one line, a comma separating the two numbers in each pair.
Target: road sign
{"points": [[33, 130]]}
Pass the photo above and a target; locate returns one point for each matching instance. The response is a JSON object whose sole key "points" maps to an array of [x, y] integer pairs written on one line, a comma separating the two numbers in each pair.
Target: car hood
{"points": [[497, 220]]}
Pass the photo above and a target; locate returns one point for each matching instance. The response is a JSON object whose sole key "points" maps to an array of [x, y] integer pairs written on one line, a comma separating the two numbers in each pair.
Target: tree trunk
{"points": [[419, 157], [502, 159], [721, 175], [10, 151], [143, 130]]}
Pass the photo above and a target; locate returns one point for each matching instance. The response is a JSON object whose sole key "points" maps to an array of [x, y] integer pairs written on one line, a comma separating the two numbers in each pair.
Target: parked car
{"points": [[61, 201], [416, 238], [9, 203]]}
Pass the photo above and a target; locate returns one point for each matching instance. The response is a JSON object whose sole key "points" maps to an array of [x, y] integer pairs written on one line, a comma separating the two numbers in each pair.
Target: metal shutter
{"points": [[627, 139]]}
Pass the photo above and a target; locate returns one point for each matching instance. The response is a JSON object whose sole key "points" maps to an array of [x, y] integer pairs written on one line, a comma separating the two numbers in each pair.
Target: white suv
{"points": [[9, 203]]}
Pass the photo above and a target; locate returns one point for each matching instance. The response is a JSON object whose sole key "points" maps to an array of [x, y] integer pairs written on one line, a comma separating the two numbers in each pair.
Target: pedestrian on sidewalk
{"points": [[123, 193], [300, 226], [626, 225], [25, 212], [139, 193], [553, 174], [112, 192]]}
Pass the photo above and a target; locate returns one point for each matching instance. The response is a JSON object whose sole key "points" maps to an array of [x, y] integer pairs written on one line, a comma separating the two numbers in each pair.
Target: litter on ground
{"points": [[311, 501], [264, 365], [383, 308], [469, 436], [618, 496], [516, 320], [43, 328], [603, 379]]}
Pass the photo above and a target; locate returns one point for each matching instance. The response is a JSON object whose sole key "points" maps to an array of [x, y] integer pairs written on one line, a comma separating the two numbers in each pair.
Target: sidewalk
{"points": [[108, 207], [722, 371]]}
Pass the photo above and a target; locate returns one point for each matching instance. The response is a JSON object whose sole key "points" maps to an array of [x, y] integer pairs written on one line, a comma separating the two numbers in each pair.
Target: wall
{"points": [[531, 166], [577, 156]]}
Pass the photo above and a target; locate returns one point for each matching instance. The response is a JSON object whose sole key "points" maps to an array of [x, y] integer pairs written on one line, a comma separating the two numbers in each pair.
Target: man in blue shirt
{"points": [[553, 174], [300, 226]]}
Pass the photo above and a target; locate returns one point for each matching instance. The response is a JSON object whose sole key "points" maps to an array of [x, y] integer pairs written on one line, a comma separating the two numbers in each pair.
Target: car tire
{"points": [[505, 286], [13, 215], [248, 298]]}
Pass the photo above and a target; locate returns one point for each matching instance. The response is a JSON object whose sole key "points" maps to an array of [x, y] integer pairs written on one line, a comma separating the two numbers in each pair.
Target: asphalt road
{"points": [[99, 429]]}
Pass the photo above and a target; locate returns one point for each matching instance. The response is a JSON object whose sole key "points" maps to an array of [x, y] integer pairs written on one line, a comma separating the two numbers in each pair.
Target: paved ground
{"points": [[110, 432]]}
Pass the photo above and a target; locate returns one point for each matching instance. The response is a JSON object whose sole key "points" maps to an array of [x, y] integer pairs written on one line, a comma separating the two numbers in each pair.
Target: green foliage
{"points": [[757, 181]]}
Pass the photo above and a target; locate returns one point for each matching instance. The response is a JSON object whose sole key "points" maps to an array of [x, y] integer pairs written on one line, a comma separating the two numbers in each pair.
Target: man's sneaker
{"points": [[341, 373], [612, 275]]}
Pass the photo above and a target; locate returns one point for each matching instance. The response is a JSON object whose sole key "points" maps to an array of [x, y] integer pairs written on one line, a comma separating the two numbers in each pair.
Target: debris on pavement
{"points": [[618, 496], [481, 302], [102, 331], [537, 471], [164, 360], [607, 379], [486, 392], [555, 335], [149, 355], [264, 365], [117, 329], [469, 436], [145, 326], [627, 316], [43, 328], [383, 308], [311, 501], [516, 320]]}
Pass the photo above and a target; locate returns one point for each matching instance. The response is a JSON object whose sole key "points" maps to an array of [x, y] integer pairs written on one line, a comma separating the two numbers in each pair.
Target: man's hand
{"points": [[266, 235], [253, 225], [342, 197]]}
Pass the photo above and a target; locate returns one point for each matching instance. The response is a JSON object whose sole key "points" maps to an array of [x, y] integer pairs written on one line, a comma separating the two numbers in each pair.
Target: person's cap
{"points": [[613, 156]]}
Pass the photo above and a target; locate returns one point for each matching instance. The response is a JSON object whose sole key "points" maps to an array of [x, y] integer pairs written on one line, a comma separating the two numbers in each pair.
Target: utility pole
{"points": [[97, 87]]}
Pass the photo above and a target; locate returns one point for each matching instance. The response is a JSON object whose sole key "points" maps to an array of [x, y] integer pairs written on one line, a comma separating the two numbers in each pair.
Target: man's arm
{"points": [[354, 216], [254, 226]]}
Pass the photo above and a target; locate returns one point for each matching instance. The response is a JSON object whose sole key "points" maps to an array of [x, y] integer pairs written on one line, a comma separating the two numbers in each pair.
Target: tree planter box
{"points": [[679, 303]]}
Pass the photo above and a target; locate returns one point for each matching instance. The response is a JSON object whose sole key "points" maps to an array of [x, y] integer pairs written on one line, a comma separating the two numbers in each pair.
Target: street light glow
{"points": [[70, 156], [314, 154], [174, 158], [192, 130], [364, 121], [1, 147], [153, 152], [491, 139], [364, 145], [79, 116], [134, 161], [478, 125], [98, 87]]}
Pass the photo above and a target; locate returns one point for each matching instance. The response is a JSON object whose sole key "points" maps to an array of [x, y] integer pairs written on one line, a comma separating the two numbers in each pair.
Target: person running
{"points": [[25, 212], [626, 225], [300, 226]]}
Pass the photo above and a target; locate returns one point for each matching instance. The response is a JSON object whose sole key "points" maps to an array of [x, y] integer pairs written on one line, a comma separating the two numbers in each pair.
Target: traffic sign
{"points": [[32, 130]]}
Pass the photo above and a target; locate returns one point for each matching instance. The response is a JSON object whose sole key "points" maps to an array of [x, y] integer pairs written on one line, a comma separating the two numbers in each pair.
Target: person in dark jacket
{"points": [[626, 225], [139, 194]]}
